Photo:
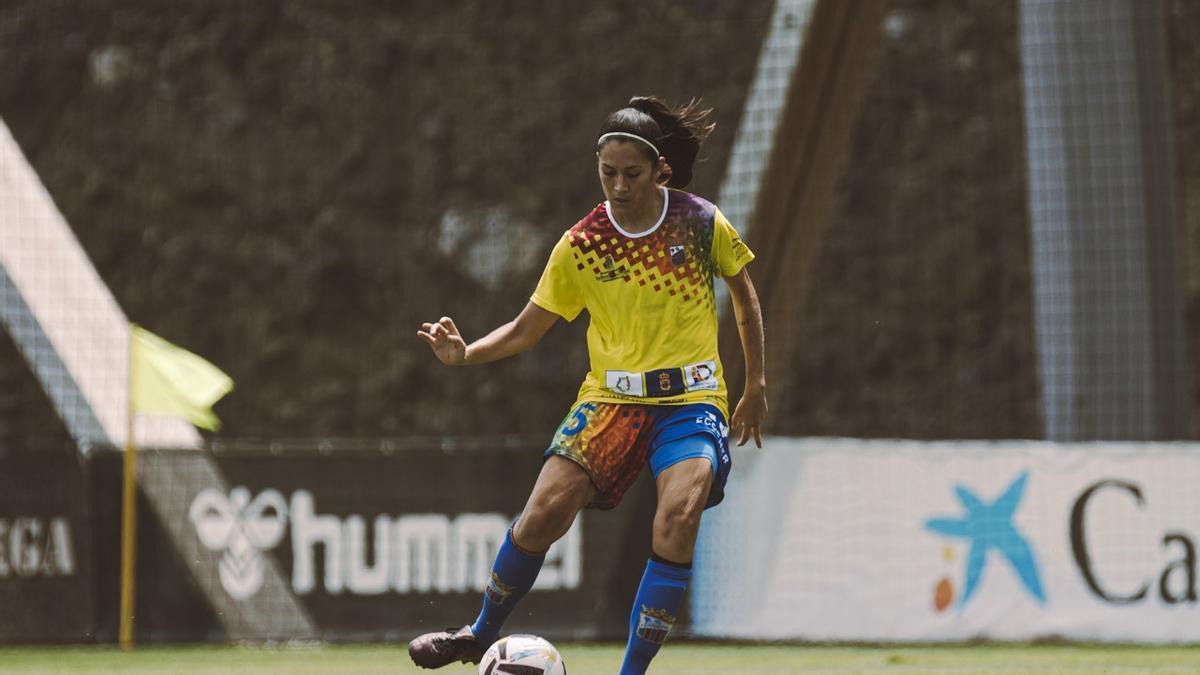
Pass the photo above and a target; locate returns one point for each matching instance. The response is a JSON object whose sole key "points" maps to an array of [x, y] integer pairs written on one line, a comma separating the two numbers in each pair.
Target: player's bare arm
{"points": [[751, 410], [514, 337]]}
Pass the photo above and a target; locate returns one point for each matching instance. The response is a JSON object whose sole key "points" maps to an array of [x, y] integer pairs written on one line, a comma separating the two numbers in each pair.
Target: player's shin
{"points": [[513, 574], [655, 607]]}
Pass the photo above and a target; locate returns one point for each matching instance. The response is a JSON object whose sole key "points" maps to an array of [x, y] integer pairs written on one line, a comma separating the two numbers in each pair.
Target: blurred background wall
{"points": [[290, 189]]}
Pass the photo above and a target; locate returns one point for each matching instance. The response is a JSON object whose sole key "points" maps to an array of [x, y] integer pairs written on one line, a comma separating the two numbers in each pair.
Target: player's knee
{"points": [[682, 513], [675, 535], [689, 492], [679, 520]]}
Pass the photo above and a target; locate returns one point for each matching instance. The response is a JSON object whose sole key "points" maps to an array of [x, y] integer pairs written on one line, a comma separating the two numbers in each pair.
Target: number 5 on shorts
{"points": [[578, 420]]}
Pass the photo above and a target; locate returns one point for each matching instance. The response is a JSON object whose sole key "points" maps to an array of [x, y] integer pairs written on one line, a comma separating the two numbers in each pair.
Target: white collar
{"points": [[634, 235]]}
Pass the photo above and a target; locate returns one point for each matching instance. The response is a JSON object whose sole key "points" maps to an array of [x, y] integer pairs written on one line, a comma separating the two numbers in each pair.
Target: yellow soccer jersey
{"points": [[652, 338]]}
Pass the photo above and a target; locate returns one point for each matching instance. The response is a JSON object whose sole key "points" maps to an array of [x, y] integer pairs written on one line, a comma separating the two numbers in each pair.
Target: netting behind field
{"points": [[760, 118], [1001, 261], [937, 305], [1107, 275]]}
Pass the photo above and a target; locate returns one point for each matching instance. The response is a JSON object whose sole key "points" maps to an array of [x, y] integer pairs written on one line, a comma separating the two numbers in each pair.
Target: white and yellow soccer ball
{"points": [[522, 655]]}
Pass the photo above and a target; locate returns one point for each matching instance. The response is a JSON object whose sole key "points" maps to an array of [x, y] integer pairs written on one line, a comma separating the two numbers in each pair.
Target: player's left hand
{"points": [[750, 414]]}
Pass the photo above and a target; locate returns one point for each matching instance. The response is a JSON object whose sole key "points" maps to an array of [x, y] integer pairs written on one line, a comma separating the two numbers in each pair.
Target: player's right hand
{"points": [[445, 341]]}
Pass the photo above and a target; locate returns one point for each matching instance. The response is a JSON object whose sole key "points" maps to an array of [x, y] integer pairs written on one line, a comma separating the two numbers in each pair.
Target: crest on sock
{"points": [[497, 591], [654, 624]]}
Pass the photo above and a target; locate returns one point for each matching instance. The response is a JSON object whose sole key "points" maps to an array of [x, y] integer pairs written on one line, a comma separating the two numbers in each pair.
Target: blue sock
{"points": [[513, 575], [658, 600]]}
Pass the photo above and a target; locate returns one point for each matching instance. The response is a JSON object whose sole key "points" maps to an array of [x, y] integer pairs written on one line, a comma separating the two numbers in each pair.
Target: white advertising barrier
{"points": [[840, 539]]}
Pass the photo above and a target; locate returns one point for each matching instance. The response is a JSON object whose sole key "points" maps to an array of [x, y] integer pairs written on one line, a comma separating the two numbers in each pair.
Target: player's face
{"points": [[629, 178]]}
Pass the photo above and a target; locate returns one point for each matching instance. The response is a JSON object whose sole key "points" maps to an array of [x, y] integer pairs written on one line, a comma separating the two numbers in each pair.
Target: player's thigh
{"points": [[683, 486], [610, 441], [562, 489], [688, 432]]}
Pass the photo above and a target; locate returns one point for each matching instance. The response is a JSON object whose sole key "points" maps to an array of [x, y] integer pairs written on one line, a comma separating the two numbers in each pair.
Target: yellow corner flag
{"points": [[169, 380]]}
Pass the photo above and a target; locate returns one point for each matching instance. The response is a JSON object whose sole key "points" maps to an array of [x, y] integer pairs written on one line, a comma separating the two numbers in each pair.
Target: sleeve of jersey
{"points": [[729, 251], [557, 291]]}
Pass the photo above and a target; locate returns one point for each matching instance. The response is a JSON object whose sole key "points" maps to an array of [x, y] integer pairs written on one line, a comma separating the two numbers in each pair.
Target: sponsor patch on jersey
{"points": [[701, 376], [664, 382], [611, 270], [739, 249], [625, 383]]}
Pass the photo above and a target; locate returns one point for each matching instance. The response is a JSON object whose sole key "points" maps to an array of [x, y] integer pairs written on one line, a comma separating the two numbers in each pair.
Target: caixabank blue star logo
{"points": [[987, 527]]}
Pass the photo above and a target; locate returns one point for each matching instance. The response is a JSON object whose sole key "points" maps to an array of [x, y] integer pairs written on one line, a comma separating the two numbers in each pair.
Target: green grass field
{"points": [[680, 658]]}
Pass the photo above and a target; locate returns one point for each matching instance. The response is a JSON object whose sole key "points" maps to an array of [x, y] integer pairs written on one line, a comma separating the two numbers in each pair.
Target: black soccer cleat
{"points": [[434, 650]]}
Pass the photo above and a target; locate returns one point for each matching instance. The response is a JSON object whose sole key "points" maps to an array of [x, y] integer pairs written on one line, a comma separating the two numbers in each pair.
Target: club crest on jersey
{"points": [[497, 591], [624, 384], [678, 254], [654, 624], [664, 381]]}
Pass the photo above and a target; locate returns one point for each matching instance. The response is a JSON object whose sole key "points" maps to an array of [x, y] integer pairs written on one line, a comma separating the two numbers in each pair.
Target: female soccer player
{"points": [[643, 265]]}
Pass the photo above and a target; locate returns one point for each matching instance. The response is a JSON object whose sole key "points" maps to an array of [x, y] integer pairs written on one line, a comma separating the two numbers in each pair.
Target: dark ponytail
{"points": [[678, 133]]}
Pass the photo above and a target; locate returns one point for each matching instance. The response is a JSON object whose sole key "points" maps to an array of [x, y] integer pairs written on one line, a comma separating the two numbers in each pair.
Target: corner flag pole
{"points": [[164, 379], [128, 515]]}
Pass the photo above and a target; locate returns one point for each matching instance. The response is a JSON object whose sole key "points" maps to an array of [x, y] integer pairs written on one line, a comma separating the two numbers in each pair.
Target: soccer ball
{"points": [[522, 655]]}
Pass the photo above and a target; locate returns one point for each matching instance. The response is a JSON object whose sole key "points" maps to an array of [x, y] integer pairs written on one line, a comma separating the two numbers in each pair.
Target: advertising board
{"points": [[839, 539]]}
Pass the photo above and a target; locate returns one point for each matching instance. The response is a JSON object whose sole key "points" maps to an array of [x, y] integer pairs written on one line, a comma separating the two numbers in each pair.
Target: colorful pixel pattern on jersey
{"points": [[674, 259], [652, 335]]}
